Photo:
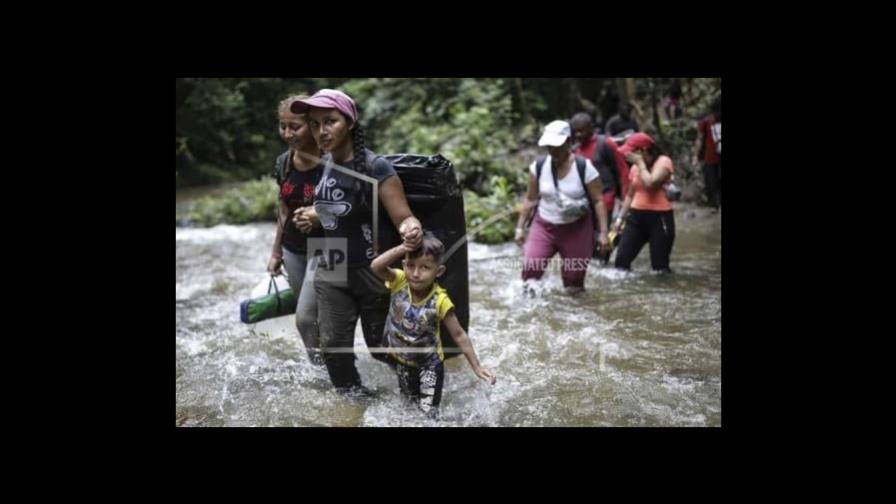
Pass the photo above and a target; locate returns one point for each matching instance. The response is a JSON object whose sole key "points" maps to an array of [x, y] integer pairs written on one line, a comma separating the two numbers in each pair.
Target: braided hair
{"points": [[359, 149], [360, 162]]}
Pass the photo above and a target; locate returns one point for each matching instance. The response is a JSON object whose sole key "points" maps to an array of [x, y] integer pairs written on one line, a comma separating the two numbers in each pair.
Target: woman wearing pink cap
{"points": [[564, 220], [650, 219], [343, 202]]}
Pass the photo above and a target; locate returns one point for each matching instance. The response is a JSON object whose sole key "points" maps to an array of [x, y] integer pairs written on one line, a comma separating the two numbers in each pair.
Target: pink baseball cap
{"points": [[328, 99]]}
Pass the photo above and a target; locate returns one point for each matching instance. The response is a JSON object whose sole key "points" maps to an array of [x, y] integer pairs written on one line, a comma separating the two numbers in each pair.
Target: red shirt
{"points": [[710, 156], [586, 149]]}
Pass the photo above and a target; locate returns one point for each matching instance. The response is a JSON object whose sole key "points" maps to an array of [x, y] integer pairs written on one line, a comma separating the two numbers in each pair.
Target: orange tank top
{"points": [[654, 198]]}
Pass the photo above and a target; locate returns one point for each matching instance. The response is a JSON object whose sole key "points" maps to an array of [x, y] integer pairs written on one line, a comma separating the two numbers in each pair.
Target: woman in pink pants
{"points": [[563, 189]]}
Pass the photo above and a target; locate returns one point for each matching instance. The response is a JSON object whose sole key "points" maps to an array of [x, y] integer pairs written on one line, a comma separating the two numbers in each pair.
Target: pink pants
{"points": [[574, 241]]}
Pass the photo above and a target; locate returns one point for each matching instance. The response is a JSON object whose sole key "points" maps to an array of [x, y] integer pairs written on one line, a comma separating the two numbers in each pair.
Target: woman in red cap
{"points": [[297, 171], [650, 219], [348, 289]]}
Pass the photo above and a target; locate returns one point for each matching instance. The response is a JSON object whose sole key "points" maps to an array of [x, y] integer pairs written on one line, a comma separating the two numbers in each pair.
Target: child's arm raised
{"points": [[380, 265], [466, 346]]}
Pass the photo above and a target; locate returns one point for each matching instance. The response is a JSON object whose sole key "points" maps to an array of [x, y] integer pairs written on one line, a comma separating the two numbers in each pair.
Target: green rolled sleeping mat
{"points": [[273, 304]]}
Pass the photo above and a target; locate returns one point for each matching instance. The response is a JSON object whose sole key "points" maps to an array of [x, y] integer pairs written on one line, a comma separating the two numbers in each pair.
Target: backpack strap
{"points": [[281, 167], [580, 166], [539, 164]]}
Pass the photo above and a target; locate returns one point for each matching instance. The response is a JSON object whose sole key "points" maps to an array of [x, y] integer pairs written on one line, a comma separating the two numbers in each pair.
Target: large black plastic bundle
{"points": [[435, 197]]}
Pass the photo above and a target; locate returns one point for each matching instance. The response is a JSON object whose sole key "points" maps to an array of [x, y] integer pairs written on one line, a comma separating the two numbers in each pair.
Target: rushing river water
{"points": [[633, 350]]}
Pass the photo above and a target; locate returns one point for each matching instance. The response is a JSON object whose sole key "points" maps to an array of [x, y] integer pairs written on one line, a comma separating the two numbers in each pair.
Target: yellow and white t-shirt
{"points": [[412, 329]]}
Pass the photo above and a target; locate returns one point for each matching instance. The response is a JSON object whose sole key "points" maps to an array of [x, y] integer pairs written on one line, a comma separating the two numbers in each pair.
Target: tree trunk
{"points": [[575, 97], [656, 117], [524, 108], [626, 89]]}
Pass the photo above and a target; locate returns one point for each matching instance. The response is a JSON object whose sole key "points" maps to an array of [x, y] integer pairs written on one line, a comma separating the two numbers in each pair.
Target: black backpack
{"points": [[605, 163]]}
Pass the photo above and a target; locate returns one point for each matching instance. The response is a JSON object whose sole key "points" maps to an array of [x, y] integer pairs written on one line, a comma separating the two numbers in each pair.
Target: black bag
{"points": [[436, 199], [605, 163]]}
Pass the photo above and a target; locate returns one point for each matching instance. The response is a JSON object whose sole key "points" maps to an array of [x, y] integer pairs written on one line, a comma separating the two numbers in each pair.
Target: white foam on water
{"points": [[221, 232], [545, 351]]}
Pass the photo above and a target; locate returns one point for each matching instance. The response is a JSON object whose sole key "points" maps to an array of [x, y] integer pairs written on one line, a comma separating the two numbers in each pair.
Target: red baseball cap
{"points": [[637, 141]]}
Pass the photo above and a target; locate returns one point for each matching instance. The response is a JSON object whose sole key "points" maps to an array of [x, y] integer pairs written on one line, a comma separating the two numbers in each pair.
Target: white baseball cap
{"points": [[555, 134]]}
